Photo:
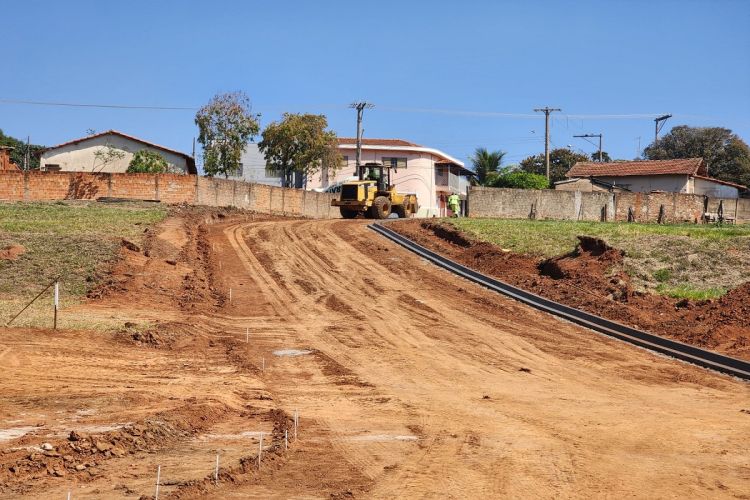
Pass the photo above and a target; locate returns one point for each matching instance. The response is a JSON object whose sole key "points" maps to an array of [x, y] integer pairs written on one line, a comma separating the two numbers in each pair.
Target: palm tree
{"points": [[485, 162]]}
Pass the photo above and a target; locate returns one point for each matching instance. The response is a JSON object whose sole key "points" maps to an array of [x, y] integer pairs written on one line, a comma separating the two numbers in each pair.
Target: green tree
{"points": [[225, 126], [726, 155], [519, 179], [147, 162], [605, 157], [560, 161], [486, 163], [299, 143], [18, 153]]}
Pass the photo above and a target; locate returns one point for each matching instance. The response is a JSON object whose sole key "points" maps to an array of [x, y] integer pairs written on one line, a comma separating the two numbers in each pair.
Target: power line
{"points": [[87, 105], [384, 108]]}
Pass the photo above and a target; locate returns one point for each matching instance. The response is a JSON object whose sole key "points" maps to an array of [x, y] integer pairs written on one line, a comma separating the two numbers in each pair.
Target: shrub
{"points": [[147, 162], [520, 180]]}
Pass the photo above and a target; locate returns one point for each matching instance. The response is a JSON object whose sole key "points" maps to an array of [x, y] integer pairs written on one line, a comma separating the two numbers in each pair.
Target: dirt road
{"points": [[409, 382]]}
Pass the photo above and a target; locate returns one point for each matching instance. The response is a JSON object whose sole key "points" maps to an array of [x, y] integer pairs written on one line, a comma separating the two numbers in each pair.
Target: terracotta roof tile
{"points": [[377, 142], [688, 166], [719, 181]]}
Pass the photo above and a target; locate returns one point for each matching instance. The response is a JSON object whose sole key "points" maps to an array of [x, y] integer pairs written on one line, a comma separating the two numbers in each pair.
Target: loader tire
{"points": [[402, 211], [381, 208], [348, 213]]}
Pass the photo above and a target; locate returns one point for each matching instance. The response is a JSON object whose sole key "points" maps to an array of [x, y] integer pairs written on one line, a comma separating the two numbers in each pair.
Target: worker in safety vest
{"points": [[454, 203]]}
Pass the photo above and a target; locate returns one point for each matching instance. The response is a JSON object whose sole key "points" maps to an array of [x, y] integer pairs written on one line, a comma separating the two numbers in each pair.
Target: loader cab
{"points": [[376, 172]]}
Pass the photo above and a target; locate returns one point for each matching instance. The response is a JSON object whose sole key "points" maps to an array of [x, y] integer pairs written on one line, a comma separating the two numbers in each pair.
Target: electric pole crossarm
{"points": [[658, 125], [586, 136]]}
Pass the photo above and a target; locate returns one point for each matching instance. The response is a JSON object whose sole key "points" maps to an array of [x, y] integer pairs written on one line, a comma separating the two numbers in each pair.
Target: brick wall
{"points": [[167, 188], [596, 206]]}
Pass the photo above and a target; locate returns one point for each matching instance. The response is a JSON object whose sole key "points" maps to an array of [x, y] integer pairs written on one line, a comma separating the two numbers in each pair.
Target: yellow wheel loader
{"points": [[374, 197]]}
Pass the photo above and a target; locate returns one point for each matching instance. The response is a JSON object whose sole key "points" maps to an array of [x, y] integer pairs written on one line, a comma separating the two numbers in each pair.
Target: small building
{"points": [[427, 172], [6, 165], [109, 152], [688, 176]]}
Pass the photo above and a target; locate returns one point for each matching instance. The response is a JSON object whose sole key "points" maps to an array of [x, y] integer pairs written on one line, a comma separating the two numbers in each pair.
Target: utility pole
{"points": [[27, 157], [547, 111], [657, 127], [585, 136], [360, 107]]}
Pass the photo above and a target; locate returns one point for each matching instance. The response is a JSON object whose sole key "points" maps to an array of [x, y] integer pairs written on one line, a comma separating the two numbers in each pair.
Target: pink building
{"points": [[429, 173]]}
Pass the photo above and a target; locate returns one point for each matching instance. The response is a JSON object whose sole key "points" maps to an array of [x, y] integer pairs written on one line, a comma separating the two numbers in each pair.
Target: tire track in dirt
{"points": [[418, 314]]}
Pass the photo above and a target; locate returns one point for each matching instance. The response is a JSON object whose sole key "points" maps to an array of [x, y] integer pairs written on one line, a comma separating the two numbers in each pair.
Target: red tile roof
{"points": [[719, 181], [377, 142], [189, 159], [688, 166]]}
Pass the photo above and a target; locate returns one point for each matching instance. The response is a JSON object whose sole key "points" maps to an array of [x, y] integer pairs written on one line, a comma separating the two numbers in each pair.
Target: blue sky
{"points": [[442, 74]]}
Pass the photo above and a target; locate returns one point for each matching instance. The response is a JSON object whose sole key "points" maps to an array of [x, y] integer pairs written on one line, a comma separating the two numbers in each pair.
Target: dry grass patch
{"points": [[76, 241]]}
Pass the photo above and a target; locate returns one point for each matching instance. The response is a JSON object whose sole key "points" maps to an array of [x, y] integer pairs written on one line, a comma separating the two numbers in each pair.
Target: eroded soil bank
{"points": [[591, 279]]}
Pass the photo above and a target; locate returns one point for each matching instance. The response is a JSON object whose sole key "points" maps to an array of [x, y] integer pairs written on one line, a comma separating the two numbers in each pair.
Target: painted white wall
{"points": [[80, 157], [648, 183], [254, 167], [714, 189]]}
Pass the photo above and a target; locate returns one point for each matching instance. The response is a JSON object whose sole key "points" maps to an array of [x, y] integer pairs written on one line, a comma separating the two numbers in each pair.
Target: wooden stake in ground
{"points": [[286, 439], [260, 449], [216, 470], [158, 479], [296, 419], [247, 334], [57, 303]]}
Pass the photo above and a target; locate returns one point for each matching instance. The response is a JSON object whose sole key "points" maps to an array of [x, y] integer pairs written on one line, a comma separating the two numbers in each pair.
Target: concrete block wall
{"points": [[737, 208], [167, 188], [596, 206]]}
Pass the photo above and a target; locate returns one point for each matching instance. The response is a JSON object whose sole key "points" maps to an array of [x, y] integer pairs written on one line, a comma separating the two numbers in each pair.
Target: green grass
{"points": [[552, 238], [680, 260], [688, 292], [75, 241]]}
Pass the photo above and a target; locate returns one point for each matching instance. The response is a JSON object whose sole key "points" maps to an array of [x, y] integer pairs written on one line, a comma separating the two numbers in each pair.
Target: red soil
{"points": [[591, 279]]}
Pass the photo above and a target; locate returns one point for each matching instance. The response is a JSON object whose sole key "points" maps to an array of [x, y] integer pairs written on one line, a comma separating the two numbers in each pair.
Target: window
{"points": [[52, 167], [240, 170], [394, 162]]}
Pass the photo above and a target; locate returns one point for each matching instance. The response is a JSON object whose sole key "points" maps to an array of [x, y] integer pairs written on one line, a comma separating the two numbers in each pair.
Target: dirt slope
{"points": [[409, 383], [591, 278]]}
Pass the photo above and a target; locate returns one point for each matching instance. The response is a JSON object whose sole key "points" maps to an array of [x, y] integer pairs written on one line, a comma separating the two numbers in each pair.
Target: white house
{"points": [[687, 175], [429, 173], [109, 152]]}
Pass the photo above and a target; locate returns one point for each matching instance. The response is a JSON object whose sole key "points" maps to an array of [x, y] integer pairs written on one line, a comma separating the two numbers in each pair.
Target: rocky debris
{"points": [[82, 453], [11, 252], [130, 245]]}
